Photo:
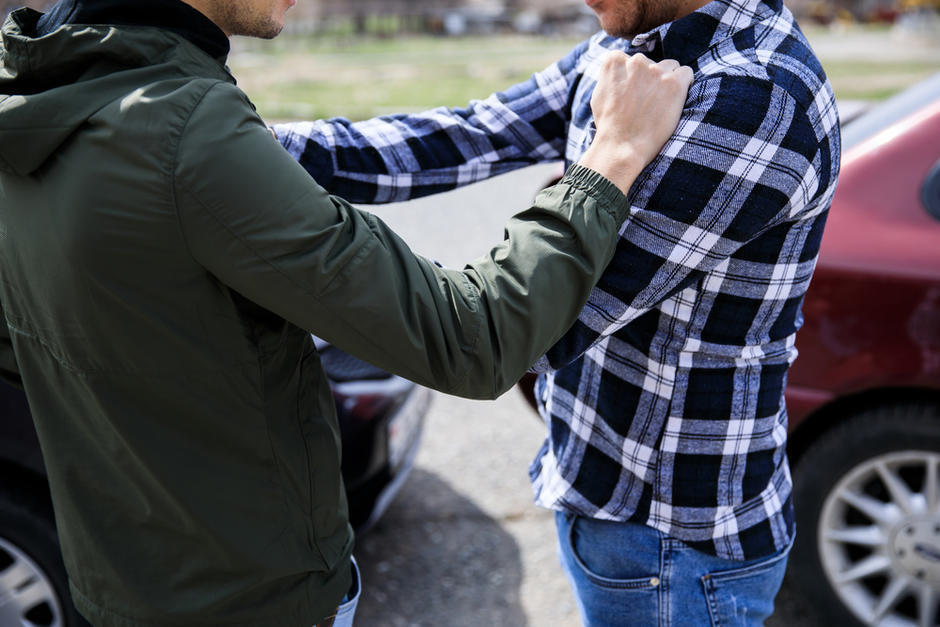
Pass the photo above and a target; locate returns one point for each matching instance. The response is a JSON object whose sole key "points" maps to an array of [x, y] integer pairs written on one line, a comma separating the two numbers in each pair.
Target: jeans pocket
{"points": [[614, 573], [744, 596], [611, 558]]}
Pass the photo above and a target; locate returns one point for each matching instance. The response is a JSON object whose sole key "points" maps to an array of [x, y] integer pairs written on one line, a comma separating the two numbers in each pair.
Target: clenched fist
{"points": [[636, 105]]}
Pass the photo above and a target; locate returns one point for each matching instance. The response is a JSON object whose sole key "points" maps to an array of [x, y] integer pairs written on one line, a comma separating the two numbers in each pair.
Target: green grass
{"points": [[875, 80], [309, 77], [306, 78]]}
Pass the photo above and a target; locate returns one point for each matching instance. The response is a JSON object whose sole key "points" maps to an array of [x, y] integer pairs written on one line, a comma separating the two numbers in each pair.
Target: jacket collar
{"points": [[51, 86], [172, 15]]}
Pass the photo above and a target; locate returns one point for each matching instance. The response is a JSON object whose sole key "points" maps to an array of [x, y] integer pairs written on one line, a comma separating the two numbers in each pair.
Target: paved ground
{"points": [[463, 545]]}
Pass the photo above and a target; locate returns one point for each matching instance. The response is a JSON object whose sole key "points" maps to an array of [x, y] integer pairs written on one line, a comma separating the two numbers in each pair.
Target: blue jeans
{"points": [[631, 575], [346, 611]]}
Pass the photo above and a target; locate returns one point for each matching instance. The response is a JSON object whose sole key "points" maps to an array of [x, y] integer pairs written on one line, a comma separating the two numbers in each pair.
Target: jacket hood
{"points": [[50, 85]]}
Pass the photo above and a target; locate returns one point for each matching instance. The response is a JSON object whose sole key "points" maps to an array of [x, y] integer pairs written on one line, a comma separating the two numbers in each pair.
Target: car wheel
{"points": [[33, 584], [867, 499]]}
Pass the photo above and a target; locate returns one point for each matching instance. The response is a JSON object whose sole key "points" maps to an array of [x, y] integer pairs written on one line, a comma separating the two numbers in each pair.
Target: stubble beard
{"points": [[634, 17], [239, 19]]}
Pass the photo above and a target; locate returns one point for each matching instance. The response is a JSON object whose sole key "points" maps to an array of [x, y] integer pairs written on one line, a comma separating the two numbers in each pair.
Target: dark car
{"points": [[864, 395], [381, 417]]}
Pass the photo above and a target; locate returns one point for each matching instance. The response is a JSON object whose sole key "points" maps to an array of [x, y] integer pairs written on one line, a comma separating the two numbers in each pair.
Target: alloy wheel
{"points": [[27, 596], [879, 539]]}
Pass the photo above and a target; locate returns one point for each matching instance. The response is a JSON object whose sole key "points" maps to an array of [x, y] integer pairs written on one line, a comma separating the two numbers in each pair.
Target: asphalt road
{"points": [[462, 545]]}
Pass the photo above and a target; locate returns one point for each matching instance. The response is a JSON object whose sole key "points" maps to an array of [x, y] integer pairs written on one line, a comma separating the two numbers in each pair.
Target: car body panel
{"points": [[872, 313], [882, 228], [19, 445]]}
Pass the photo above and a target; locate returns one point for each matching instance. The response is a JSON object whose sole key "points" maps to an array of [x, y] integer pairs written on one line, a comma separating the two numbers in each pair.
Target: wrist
{"points": [[615, 161]]}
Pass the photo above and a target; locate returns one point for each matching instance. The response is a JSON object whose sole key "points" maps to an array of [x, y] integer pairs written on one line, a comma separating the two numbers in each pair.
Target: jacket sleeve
{"points": [[398, 157], [260, 224]]}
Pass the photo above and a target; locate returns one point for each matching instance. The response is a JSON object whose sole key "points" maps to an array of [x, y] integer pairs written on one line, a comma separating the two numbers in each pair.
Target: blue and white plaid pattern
{"points": [[664, 402]]}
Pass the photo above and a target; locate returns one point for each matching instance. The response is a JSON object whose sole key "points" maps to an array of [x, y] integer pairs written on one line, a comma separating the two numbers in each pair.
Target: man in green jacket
{"points": [[162, 264]]}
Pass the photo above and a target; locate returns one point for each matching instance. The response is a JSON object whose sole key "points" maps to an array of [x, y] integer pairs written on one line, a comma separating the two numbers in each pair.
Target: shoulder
{"points": [[737, 101], [757, 99], [788, 143], [218, 96], [217, 109], [769, 64], [221, 134]]}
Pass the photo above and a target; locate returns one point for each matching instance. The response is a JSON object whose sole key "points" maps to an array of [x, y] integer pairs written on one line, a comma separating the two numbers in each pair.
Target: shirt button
{"points": [[654, 581]]}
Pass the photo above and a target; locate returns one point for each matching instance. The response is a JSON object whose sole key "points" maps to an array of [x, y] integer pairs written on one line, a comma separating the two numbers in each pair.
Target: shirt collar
{"points": [[172, 15], [687, 38]]}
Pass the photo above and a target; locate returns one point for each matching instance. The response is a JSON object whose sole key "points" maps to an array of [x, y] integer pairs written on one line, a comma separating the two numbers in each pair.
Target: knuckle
{"points": [[670, 78]]}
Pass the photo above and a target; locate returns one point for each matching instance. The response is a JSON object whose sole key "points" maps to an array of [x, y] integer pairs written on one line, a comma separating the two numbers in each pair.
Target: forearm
{"points": [[471, 332], [271, 234], [343, 275], [403, 157], [395, 158]]}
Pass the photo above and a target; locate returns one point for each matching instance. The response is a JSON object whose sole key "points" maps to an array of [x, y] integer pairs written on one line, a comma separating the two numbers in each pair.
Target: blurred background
{"points": [[361, 58]]}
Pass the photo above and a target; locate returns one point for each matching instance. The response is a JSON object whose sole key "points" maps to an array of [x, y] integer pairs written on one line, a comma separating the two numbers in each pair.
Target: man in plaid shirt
{"points": [[665, 457]]}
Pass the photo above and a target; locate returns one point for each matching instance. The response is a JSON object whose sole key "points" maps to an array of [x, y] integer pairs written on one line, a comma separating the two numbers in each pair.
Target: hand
{"points": [[636, 106]]}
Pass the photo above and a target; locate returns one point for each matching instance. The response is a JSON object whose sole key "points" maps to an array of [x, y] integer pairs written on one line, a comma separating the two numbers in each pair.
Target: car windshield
{"points": [[890, 111]]}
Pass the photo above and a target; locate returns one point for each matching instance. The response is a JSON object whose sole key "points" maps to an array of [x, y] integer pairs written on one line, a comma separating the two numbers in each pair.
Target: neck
{"points": [[685, 7], [207, 8]]}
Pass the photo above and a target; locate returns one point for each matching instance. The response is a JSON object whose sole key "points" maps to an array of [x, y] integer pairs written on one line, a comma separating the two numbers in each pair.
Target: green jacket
{"points": [[162, 260]]}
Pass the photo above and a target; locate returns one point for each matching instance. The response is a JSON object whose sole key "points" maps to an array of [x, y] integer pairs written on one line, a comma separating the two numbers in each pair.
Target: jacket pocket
{"points": [[326, 499]]}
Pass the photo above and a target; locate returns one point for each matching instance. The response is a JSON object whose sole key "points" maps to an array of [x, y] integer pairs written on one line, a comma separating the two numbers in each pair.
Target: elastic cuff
{"points": [[607, 194]]}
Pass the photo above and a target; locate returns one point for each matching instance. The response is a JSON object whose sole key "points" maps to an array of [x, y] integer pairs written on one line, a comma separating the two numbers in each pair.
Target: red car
{"points": [[864, 395]]}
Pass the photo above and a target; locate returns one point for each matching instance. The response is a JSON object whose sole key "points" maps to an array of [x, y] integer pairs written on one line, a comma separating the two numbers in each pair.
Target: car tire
{"points": [[867, 549], [33, 584]]}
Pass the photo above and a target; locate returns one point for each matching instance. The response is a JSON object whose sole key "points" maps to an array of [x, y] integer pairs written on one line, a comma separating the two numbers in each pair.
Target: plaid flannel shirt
{"points": [[664, 403]]}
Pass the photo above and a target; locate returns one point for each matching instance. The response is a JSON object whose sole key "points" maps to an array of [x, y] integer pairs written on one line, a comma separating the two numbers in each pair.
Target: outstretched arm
{"points": [[398, 157], [342, 274]]}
